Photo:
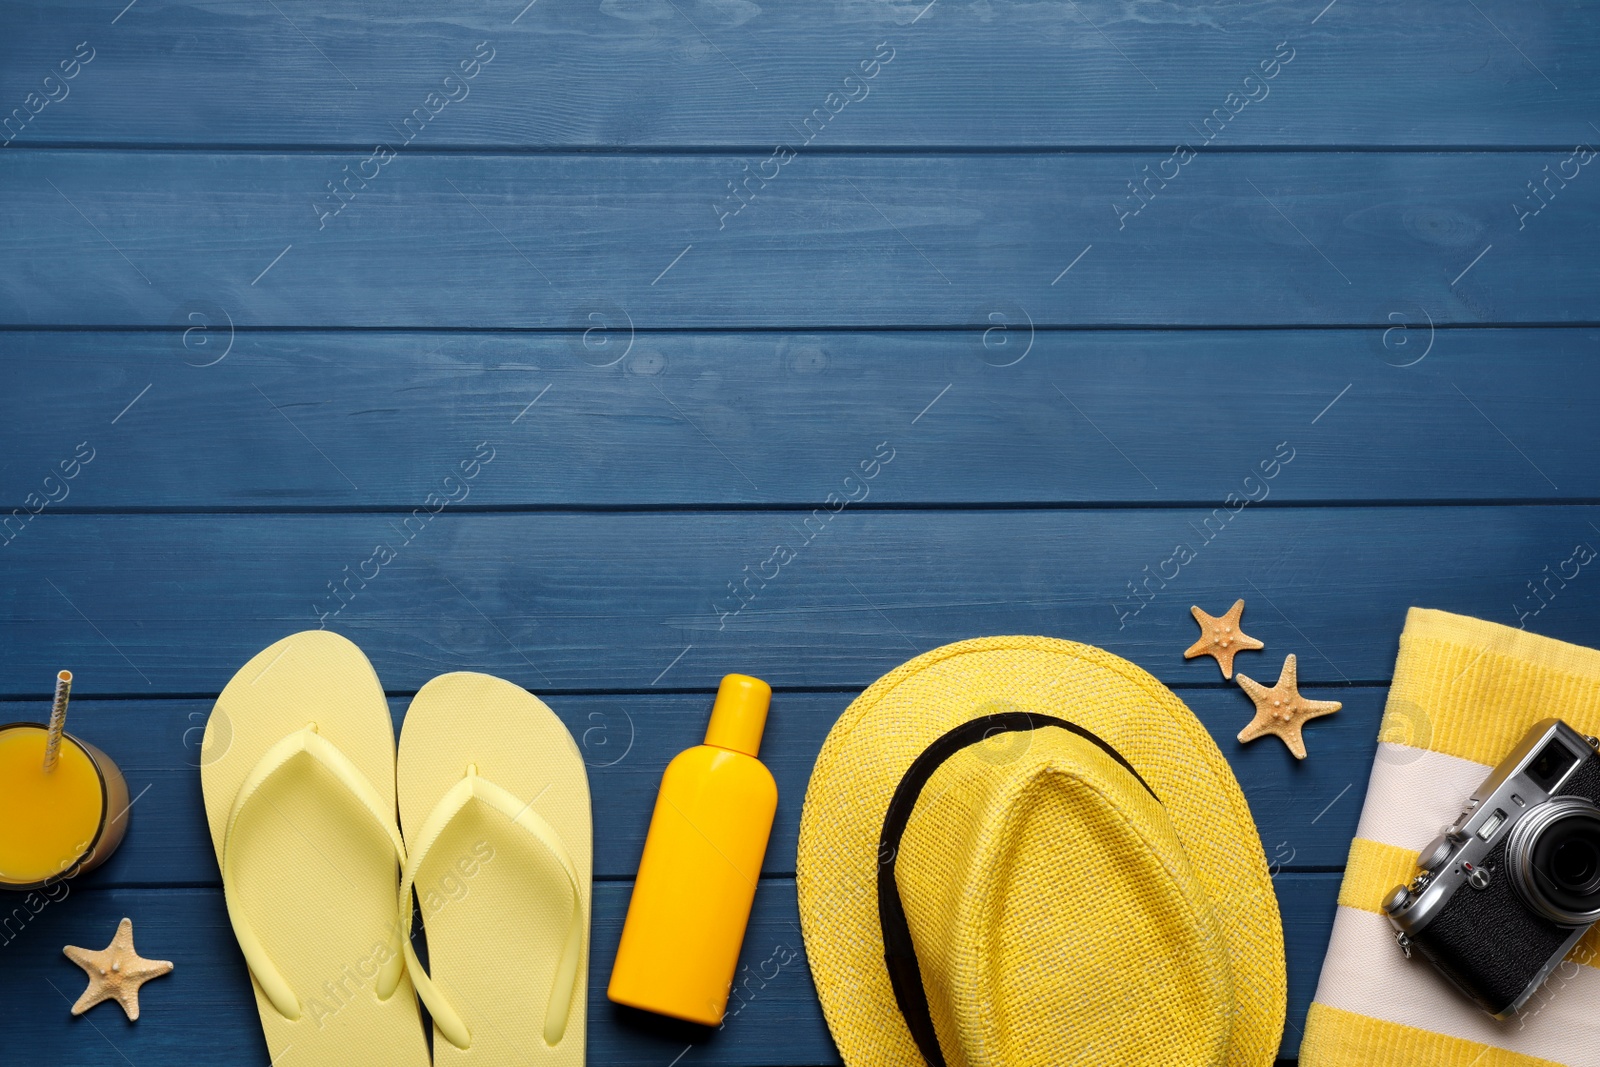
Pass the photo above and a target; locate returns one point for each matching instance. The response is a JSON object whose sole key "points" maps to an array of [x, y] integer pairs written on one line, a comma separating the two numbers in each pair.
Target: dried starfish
{"points": [[1221, 637], [1281, 710], [115, 972]]}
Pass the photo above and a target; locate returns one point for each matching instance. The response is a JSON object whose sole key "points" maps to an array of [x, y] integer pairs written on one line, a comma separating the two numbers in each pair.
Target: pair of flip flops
{"points": [[302, 784]]}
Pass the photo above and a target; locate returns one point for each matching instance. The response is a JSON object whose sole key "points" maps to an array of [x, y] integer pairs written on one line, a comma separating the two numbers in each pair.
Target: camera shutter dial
{"points": [[1397, 899], [1437, 852]]}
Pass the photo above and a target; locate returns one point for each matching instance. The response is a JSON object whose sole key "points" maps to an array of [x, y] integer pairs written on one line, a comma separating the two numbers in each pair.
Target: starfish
{"points": [[1221, 637], [115, 972], [1282, 710]]}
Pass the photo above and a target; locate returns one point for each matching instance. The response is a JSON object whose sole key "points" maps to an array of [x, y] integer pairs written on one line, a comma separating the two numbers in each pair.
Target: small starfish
{"points": [[1221, 637], [115, 972], [1282, 710]]}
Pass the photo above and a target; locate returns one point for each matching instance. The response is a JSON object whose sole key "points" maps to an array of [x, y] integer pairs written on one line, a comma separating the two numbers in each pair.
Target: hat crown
{"points": [[1054, 912]]}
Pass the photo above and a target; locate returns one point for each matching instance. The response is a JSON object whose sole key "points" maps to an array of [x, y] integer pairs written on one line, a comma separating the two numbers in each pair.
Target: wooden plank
{"points": [[646, 74], [616, 417], [134, 238], [205, 1007], [1306, 813], [580, 601]]}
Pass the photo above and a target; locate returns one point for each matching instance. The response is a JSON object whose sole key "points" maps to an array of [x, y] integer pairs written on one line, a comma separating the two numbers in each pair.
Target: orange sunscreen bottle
{"points": [[702, 858]]}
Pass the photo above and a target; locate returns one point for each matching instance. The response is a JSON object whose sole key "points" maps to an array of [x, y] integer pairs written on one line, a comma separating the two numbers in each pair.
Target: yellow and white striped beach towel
{"points": [[1464, 693]]}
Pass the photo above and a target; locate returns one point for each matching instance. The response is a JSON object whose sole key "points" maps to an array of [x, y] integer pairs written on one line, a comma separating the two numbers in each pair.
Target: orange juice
{"points": [[55, 824]]}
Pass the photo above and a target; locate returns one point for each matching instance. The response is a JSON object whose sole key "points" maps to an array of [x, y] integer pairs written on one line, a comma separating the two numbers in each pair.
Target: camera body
{"points": [[1509, 887]]}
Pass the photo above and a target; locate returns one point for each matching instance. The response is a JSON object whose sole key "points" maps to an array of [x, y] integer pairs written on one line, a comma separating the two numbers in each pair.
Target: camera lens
{"points": [[1554, 852], [1574, 862]]}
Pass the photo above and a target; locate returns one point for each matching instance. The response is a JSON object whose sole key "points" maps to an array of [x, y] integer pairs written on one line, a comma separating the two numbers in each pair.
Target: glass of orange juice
{"points": [[58, 823]]}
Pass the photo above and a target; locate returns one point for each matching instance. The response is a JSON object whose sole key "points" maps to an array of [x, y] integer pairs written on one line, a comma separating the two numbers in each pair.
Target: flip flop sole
{"points": [[312, 875], [496, 905]]}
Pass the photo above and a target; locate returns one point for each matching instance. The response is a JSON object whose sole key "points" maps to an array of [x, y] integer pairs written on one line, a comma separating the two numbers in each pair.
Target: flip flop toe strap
{"points": [[472, 787], [309, 742]]}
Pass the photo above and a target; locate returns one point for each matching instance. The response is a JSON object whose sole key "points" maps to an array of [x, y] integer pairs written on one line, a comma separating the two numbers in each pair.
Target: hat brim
{"points": [[882, 732]]}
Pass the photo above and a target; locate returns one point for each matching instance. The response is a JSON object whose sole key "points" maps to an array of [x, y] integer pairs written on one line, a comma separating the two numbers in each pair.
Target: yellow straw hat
{"points": [[1020, 851]]}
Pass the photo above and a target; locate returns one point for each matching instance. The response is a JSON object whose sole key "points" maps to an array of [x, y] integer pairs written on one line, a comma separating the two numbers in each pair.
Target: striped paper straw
{"points": [[58, 720]]}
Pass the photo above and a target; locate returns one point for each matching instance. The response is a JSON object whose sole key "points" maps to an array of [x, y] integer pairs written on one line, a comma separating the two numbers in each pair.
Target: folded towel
{"points": [[1464, 693]]}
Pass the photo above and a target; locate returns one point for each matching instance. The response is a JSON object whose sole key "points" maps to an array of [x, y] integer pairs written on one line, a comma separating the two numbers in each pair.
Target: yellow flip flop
{"points": [[297, 767], [494, 801]]}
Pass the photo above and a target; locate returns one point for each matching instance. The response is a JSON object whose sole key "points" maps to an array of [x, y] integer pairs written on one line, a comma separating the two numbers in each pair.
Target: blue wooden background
{"points": [[1029, 295]]}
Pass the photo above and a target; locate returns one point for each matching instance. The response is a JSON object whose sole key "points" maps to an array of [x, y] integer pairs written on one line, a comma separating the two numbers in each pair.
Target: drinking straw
{"points": [[58, 720]]}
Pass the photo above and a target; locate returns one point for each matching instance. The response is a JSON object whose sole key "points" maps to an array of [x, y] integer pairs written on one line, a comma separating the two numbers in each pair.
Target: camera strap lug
{"points": [[1404, 942]]}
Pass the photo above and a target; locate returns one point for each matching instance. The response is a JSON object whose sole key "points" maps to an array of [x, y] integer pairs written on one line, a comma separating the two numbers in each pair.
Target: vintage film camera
{"points": [[1509, 887]]}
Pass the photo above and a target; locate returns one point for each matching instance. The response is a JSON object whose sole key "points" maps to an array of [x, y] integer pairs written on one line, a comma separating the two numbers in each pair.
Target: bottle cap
{"points": [[740, 714]]}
